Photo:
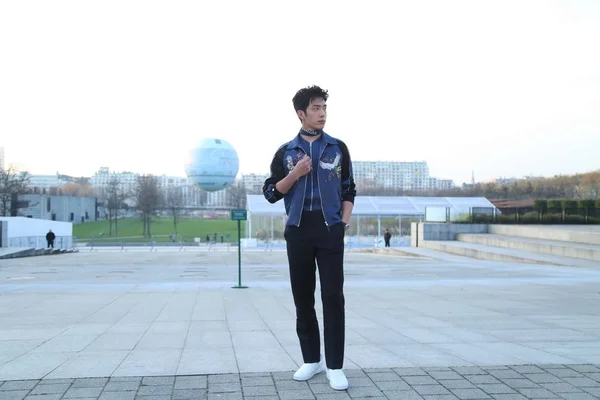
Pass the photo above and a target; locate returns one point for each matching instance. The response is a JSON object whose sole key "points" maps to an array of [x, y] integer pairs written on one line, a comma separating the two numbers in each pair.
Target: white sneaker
{"points": [[337, 379], [307, 371]]}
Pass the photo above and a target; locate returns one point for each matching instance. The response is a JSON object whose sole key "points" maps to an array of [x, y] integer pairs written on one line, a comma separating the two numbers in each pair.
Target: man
{"points": [[387, 236], [50, 236], [313, 174]]}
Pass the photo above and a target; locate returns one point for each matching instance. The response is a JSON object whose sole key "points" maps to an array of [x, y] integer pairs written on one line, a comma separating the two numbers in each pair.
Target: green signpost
{"points": [[239, 216]]}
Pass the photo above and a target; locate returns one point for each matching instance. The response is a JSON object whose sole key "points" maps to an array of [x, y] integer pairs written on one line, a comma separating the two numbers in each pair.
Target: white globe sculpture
{"points": [[212, 164]]}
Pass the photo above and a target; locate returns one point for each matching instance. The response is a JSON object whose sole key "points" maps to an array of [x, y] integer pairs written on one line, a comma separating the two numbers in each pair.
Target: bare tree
{"points": [[175, 202], [115, 196], [55, 191], [78, 189], [148, 200], [12, 183], [236, 195]]}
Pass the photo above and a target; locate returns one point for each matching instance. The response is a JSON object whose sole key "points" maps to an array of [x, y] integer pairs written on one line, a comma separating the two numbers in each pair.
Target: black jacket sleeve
{"points": [[277, 173], [348, 185]]}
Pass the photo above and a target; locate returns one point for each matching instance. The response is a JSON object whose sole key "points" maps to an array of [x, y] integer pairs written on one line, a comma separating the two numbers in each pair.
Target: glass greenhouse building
{"points": [[371, 215]]}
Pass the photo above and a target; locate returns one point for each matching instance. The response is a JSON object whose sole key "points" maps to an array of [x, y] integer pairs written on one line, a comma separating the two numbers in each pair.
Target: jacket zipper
{"points": [[303, 198], [319, 186], [312, 189]]}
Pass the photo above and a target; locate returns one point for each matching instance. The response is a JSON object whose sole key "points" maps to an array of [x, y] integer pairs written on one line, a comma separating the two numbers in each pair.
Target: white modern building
{"points": [[397, 175], [439, 184], [217, 199], [101, 179], [254, 182], [46, 181], [192, 195]]}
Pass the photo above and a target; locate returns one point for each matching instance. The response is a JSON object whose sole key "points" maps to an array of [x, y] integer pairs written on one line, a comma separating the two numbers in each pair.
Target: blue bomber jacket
{"points": [[335, 180]]}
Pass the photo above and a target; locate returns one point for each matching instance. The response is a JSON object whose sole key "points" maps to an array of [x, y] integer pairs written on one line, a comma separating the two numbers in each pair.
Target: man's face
{"points": [[316, 114]]}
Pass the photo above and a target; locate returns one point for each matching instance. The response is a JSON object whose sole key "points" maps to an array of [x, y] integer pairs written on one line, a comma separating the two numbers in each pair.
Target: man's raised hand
{"points": [[303, 167]]}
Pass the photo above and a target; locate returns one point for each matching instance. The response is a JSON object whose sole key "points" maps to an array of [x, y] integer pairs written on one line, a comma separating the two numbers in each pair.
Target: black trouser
{"points": [[387, 242], [314, 241], [50, 243]]}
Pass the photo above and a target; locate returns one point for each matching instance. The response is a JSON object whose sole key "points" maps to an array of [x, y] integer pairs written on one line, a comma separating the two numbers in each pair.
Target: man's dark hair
{"points": [[304, 96]]}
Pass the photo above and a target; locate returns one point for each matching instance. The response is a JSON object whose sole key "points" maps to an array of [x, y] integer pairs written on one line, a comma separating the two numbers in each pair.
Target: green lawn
{"points": [[130, 230]]}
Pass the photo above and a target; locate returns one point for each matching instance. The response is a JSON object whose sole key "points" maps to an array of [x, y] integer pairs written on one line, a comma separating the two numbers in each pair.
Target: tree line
{"points": [[150, 198], [585, 186]]}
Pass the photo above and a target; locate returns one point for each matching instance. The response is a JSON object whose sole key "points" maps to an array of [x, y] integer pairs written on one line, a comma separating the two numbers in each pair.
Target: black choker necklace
{"points": [[310, 133]]}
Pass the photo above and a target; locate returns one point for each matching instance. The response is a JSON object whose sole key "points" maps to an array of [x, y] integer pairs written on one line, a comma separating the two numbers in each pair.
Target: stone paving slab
{"points": [[501, 382]]}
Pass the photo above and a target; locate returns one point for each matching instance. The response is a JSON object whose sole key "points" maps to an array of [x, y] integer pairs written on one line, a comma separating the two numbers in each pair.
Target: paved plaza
{"points": [[166, 324]]}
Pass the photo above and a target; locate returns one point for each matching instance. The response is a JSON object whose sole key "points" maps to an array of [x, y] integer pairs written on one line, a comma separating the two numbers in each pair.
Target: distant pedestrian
{"points": [[387, 236], [50, 236]]}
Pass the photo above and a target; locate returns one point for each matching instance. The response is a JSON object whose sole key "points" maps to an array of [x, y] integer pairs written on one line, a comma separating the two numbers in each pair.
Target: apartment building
{"points": [[397, 175], [253, 183]]}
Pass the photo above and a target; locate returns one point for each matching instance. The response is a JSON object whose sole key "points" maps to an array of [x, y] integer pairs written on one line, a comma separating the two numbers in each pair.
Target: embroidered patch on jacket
{"points": [[289, 161], [332, 165], [326, 162], [292, 160]]}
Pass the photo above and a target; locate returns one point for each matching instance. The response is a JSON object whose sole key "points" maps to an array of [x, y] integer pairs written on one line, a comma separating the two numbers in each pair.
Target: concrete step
{"points": [[15, 252], [491, 253], [586, 234], [553, 247]]}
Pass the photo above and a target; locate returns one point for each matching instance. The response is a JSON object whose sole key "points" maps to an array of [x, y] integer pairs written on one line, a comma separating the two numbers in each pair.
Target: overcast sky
{"points": [[505, 88]]}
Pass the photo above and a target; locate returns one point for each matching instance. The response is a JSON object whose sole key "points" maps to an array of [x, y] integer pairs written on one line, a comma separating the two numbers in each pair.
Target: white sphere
{"points": [[212, 164]]}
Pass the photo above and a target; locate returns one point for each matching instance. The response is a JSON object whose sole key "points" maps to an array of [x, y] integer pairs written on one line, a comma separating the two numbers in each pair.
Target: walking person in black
{"points": [[50, 236], [387, 236], [313, 174]]}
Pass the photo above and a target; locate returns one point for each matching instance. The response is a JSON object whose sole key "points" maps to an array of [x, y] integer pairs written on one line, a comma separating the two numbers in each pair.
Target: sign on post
{"points": [[239, 216]]}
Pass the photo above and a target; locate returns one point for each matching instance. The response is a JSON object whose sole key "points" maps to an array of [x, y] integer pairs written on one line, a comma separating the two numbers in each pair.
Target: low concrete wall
{"points": [[31, 233], [433, 231], [563, 233], [27, 227], [566, 249]]}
